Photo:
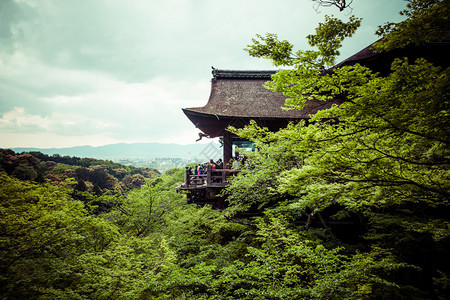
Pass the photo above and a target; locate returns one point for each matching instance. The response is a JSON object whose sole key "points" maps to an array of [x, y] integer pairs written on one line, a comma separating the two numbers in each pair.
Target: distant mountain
{"points": [[141, 150]]}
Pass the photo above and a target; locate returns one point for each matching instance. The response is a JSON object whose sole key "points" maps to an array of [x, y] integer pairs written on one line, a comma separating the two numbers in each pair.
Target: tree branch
{"points": [[341, 4], [324, 223]]}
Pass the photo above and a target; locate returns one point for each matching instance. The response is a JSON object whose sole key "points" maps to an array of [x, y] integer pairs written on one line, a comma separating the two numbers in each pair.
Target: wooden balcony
{"points": [[214, 178]]}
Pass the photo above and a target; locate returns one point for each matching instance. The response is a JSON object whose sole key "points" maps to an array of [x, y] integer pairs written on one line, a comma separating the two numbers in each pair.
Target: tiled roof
{"points": [[242, 94], [435, 52]]}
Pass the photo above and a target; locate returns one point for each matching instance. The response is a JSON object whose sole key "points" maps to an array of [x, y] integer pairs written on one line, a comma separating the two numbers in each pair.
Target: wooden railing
{"points": [[212, 178]]}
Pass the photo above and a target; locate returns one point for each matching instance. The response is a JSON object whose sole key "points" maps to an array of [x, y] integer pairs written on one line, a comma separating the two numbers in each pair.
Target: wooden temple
{"points": [[236, 98], [240, 96]]}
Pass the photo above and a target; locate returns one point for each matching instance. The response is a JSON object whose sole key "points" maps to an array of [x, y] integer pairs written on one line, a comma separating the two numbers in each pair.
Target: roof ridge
{"points": [[249, 74]]}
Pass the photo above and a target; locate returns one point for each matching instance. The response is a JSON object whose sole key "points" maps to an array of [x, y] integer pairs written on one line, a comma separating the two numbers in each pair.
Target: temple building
{"points": [[240, 96], [236, 98]]}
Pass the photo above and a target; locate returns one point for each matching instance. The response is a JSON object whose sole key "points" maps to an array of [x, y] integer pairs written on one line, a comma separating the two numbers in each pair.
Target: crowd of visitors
{"points": [[199, 172], [202, 169]]}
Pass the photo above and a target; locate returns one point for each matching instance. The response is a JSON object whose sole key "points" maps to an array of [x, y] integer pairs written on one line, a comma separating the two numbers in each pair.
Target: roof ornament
{"points": [[214, 72]]}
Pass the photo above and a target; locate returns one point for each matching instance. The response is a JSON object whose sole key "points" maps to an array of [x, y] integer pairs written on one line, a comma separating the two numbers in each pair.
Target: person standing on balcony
{"points": [[219, 164]]}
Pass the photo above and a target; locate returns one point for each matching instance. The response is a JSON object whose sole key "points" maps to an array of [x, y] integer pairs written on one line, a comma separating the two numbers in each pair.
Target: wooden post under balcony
{"points": [[227, 149], [208, 175], [224, 176], [186, 177]]}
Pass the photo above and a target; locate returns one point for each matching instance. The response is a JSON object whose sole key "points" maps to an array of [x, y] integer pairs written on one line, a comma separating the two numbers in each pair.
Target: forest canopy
{"points": [[351, 204]]}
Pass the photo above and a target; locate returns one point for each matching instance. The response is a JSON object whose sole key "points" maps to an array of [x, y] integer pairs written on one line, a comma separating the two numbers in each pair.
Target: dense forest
{"points": [[92, 175], [352, 205]]}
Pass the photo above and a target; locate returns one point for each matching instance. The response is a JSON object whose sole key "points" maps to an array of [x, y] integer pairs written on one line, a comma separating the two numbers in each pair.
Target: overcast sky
{"points": [[96, 72]]}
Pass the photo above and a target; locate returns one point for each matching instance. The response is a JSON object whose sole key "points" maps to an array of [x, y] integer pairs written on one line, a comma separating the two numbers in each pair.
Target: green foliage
{"points": [[394, 123], [51, 248], [24, 172], [143, 210], [382, 156], [289, 265], [93, 176], [310, 64], [282, 264], [270, 47], [328, 39], [352, 204], [427, 21]]}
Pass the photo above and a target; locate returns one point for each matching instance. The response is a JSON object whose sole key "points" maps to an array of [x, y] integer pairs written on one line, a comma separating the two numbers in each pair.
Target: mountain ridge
{"points": [[124, 150]]}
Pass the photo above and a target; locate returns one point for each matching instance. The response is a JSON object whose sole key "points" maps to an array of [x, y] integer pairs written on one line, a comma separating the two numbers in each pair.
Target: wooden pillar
{"points": [[187, 177], [208, 175], [227, 149]]}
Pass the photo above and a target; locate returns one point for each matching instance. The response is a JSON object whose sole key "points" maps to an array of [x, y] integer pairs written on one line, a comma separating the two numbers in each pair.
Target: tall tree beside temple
{"points": [[382, 156]]}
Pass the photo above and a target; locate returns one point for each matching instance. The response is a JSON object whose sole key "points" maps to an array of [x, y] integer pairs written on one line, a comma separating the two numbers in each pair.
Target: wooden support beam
{"points": [[227, 149], [186, 177], [208, 175]]}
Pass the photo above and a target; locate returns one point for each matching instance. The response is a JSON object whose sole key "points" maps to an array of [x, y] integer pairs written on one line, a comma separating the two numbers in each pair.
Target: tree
{"points": [[427, 21], [144, 209], [24, 172], [50, 247], [382, 156]]}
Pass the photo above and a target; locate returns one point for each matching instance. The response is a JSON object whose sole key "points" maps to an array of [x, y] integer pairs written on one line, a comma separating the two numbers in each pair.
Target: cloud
{"points": [[137, 111], [122, 70], [18, 120], [138, 40]]}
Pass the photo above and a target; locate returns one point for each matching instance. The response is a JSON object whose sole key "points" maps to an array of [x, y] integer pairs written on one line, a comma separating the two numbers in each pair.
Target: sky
{"points": [[97, 72]]}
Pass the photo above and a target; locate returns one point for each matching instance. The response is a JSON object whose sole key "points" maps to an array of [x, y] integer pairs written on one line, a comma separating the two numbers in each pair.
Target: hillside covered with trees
{"points": [[92, 175], [352, 205]]}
